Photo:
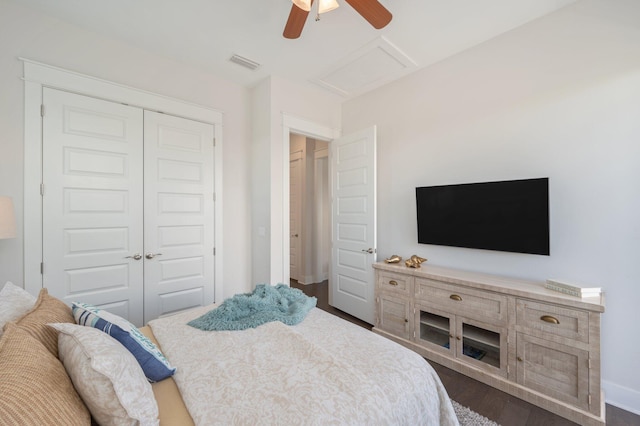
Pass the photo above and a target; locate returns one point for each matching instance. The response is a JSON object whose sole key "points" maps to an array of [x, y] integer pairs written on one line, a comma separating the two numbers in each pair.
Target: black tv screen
{"points": [[511, 216]]}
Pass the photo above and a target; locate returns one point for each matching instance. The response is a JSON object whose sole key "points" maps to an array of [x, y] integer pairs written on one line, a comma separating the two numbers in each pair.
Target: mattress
{"points": [[324, 370]]}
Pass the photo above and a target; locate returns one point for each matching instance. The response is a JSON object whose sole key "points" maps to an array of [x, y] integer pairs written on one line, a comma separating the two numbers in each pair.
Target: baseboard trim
{"points": [[622, 397], [312, 279]]}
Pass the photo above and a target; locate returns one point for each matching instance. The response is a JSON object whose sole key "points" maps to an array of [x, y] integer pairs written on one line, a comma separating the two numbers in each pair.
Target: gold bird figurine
{"points": [[411, 264], [414, 261], [393, 259]]}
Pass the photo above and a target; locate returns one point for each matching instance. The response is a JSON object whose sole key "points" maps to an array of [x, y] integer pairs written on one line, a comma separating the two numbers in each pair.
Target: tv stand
{"points": [[515, 335]]}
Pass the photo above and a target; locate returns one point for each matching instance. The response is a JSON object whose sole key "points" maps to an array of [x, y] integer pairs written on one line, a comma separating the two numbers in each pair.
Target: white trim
{"points": [[59, 78], [302, 126], [218, 222], [32, 179], [311, 279], [308, 128], [622, 397], [358, 59], [37, 76]]}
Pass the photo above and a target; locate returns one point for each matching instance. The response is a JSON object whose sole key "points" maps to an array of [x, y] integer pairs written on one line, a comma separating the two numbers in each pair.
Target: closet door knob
{"points": [[152, 255], [136, 256]]}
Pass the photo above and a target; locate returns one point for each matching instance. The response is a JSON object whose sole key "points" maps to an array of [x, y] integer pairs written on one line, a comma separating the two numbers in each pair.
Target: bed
{"points": [[323, 370]]}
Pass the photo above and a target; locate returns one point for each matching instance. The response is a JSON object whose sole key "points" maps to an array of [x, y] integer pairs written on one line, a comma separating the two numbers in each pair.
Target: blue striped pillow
{"points": [[154, 364]]}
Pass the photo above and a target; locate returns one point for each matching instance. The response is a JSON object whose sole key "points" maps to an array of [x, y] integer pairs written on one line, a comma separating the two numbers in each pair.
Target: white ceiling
{"points": [[341, 52]]}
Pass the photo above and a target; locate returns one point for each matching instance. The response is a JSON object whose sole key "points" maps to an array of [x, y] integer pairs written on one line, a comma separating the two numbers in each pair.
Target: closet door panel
{"points": [[179, 221], [92, 214]]}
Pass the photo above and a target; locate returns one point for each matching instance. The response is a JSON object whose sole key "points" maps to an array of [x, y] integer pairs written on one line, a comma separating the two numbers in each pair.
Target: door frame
{"points": [[298, 157], [308, 128], [38, 75]]}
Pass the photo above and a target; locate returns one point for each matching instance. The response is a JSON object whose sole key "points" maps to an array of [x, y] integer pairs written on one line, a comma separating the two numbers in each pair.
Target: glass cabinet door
{"points": [[434, 328], [468, 340], [482, 344]]}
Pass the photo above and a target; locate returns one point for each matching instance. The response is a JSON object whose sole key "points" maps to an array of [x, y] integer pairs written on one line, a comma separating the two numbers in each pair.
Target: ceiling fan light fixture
{"points": [[371, 10], [303, 4], [327, 6]]}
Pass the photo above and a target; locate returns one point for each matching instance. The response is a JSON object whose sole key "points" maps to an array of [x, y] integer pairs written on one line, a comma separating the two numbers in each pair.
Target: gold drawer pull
{"points": [[550, 319], [393, 282], [455, 297]]}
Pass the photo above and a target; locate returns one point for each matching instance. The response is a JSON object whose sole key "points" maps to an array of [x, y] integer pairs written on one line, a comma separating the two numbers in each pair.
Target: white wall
{"points": [[315, 232], [301, 101], [321, 252], [260, 188], [30, 34], [559, 97], [316, 105]]}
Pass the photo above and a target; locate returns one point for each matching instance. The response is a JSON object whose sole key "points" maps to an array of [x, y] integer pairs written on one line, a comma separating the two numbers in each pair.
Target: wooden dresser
{"points": [[515, 335]]}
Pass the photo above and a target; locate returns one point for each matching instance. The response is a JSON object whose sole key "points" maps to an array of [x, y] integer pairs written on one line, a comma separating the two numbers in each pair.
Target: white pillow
{"points": [[107, 377], [15, 302]]}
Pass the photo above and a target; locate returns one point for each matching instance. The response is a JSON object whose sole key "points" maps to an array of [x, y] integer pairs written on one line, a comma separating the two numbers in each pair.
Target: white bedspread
{"points": [[322, 371]]}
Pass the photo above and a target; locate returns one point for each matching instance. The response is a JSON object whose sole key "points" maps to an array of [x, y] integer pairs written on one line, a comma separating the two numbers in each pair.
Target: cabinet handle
{"points": [[393, 282], [550, 319], [457, 337], [455, 297], [520, 359], [406, 320]]}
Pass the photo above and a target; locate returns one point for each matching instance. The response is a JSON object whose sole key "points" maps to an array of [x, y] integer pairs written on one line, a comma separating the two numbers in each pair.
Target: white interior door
{"points": [[179, 220], [92, 215], [353, 171], [295, 214]]}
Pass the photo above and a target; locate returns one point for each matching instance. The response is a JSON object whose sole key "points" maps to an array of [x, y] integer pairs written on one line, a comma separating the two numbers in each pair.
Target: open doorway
{"points": [[352, 179], [309, 210]]}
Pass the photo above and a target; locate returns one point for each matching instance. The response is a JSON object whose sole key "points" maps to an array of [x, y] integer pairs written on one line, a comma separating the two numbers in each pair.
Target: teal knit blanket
{"points": [[249, 310]]}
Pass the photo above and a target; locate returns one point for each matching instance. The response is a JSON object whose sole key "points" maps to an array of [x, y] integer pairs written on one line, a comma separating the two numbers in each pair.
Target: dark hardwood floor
{"points": [[498, 406]]}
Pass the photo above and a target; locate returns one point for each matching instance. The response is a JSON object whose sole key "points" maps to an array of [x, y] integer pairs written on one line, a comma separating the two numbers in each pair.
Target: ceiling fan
{"points": [[371, 10]]}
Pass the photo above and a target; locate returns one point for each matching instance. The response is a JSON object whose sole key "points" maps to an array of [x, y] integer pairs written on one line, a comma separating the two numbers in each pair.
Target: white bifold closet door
{"points": [[127, 207], [178, 219]]}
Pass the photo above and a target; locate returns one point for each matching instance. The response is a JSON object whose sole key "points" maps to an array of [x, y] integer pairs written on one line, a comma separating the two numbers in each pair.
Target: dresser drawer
{"points": [[397, 283], [468, 302], [545, 319]]}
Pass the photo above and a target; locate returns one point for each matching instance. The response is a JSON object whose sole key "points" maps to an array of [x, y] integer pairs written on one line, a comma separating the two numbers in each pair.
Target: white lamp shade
{"points": [[327, 5], [7, 218], [303, 4]]}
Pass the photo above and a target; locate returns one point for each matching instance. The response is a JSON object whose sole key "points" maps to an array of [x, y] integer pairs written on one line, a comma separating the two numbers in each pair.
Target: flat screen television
{"points": [[511, 216]]}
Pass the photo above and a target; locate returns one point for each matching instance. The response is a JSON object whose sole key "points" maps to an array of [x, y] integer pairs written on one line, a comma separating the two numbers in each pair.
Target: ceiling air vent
{"points": [[244, 62]]}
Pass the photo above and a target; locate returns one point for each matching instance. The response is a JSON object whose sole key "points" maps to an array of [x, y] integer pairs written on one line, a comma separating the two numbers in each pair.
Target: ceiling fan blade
{"points": [[295, 23], [371, 10]]}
